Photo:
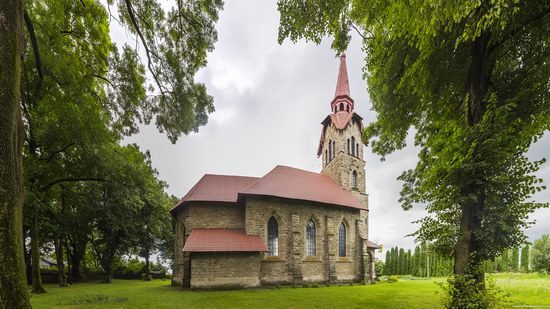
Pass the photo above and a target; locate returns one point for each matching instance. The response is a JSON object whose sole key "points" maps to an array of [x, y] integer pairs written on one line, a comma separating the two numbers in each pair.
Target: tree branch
{"points": [[50, 158], [148, 52], [70, 179], [34, 43]]}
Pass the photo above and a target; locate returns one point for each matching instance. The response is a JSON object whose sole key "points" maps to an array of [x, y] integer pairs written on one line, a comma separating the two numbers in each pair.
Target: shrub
{"points": [[392, 279], [465, 292], [540, 254]]}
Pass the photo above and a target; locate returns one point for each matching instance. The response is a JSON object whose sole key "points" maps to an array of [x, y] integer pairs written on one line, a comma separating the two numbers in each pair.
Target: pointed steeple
{"points": [[342, 85], [342, 101]]}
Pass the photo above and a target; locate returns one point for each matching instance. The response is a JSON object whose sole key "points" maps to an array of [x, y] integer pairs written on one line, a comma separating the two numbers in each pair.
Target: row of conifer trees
{"points": [[417, 263]]}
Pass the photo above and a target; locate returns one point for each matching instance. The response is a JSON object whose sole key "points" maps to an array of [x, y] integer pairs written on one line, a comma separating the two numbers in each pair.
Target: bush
{"points": [[392, 279], [465, 292], [540, 254]]}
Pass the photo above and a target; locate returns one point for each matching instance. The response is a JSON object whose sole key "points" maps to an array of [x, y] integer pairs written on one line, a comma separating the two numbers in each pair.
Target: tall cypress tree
{"points": [[505, 260], [525, 259], [387, 264], [409, 262], [401, 261], [514, 260]]}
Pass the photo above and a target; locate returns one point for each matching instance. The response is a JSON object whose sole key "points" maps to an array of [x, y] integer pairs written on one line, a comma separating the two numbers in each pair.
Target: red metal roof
{"points": [[217, 188], [223, 240], [341, 119], [293, 183], [370, 244]]}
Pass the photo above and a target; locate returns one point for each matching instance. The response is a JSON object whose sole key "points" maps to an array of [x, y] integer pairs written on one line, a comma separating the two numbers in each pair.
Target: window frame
{"points": [[342, 240], [311, 238], [272, 242]]}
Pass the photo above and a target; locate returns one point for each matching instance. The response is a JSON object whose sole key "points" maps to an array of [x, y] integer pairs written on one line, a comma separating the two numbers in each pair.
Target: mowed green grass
{"points": [[524, 290]]}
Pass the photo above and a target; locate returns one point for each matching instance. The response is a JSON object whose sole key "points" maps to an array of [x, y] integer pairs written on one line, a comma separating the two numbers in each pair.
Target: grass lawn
{"points": [[525, 290]]}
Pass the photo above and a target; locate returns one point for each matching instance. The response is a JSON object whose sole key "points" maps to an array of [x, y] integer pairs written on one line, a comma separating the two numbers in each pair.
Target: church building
{"points": [[289, 226]]}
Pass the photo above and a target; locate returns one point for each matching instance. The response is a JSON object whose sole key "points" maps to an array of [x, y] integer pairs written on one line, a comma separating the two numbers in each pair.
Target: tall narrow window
{"points": [[310, 233], [326, 157], [348, 145], [354, 179], [273, 237], [352, 148], [347, 108], [342, 240], [333, 149], [341, 106], [357, 149], [329, 151]]}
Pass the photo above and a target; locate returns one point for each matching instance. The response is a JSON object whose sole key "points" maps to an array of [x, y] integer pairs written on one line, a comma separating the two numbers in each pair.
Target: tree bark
{"points": [[62, 277], [37, 287], [13, 290], [147, 268], [467, 261]]}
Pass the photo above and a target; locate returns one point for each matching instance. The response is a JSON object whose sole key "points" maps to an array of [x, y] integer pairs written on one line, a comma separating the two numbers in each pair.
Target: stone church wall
{"points": [[202, 215], [292, 265], [225, 269]]}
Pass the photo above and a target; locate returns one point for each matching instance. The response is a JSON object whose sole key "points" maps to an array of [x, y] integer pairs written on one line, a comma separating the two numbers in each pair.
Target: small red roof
{"points": [[341, 119], [216, 188], [370, 244], [293, 183], [223, 240]]}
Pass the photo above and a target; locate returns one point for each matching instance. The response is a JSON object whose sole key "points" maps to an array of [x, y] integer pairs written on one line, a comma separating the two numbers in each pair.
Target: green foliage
{"points": [[525, 259], [379, 267], [463, 292], [416, 263], [392, 279], [540, 254]]}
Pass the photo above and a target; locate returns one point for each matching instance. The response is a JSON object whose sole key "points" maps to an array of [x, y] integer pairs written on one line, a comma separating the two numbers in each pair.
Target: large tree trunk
{"points": [[147, 268], [37, 287], [13, 290], [467, 261], [62, 278]]}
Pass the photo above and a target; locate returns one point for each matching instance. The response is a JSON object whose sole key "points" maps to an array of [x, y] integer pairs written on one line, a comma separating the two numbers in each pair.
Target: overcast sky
{"points": [[270, 100]]}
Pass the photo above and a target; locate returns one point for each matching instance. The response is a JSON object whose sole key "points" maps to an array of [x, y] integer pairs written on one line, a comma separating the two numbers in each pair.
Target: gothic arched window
{"points": [[352, 148], [342, 240], [273, 237], [357, 149], [310, 235], [347, 108], [329, 151], [348, 145], [354, 179], [341, 106]]}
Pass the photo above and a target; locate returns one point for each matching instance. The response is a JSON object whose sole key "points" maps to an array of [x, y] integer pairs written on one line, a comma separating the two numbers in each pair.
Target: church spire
{"points": [[342, 101], [342, 85]]}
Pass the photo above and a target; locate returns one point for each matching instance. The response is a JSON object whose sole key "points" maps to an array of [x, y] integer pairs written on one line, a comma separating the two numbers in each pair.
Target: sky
{"points": [[270, 100]]}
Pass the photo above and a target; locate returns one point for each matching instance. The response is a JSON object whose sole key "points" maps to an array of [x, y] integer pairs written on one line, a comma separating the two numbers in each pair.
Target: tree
{"points": [[175, 42], [473, 126], [525, 259], [13, 289], [540, 254], [387, 264], [514, 260]]}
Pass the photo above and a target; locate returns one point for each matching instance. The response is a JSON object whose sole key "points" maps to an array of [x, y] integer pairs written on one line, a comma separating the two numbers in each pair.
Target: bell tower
{"points": [[340, 146]]}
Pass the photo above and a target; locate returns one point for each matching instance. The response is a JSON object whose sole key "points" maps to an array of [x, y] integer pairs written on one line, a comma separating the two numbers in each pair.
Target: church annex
{"points": [[289, 226]]}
